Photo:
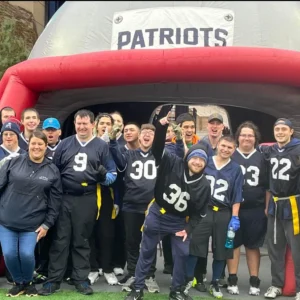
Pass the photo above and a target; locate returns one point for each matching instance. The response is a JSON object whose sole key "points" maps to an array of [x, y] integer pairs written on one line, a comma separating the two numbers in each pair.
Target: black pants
{"points": [[102, 240], [119, 251], [74, 226], [167, 251], [133, 224]]}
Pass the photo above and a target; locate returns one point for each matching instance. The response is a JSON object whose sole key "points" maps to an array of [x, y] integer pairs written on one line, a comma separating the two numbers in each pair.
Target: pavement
{"points": [[165, 280]]}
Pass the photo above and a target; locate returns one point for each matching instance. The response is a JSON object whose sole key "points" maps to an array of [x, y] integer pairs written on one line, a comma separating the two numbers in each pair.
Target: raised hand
{"points": [[114, 132], [166, 119]]}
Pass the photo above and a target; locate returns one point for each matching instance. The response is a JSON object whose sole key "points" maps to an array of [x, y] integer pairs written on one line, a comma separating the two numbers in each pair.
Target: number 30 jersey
{"points": [[78, 163], [226, 183], [139, 177], [255, 173], [284, 168]]}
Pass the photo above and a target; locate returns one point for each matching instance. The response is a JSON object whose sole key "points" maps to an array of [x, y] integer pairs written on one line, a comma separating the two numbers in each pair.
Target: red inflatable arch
{"points": [[22, 84]]}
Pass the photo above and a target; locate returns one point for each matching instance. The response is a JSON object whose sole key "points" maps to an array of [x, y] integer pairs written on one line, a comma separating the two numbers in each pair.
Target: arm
{"points": [[159, 142], [180, 147], [5, 165], [268, 197], [236, 209], [57, 157], [109, 165], [119, 158]]}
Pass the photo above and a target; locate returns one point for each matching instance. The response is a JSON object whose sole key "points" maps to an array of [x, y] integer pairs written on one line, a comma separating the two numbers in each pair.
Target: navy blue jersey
{"points": [[23, 143], [226, 183], [139, 176], [78, 163], [255, 173], [177, 192], [284, 168], [5, 152], [51, 150]]}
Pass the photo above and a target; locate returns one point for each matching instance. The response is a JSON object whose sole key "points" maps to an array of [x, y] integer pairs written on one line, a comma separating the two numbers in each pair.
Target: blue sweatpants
{"points": [[156, 226]]}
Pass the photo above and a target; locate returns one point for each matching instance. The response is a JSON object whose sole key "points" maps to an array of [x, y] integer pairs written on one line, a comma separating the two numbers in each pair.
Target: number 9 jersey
{"points": [[78, 163]]}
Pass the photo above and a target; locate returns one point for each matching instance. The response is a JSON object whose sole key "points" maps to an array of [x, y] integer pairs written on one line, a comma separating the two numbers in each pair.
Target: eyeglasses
{"points": [[9, 134], [247, 136]]}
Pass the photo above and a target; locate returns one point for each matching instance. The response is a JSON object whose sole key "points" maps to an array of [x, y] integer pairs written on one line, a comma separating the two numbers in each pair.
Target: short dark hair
{"points": [[185, 117], [148, 126], [228, 138], [116, 113], [7, 108], [27, 110], [250, 125], [40, 135], [85, 113], [133, 123]]}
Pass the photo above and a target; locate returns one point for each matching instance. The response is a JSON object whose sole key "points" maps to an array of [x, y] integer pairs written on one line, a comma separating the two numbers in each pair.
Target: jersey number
{"points": [[177, 196], [81, 162], [254, 174], [280, 174], [147, 169], [223, 187]]}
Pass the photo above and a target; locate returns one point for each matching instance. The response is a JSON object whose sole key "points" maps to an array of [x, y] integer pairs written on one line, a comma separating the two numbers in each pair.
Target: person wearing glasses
{"points": [[252, 215]]}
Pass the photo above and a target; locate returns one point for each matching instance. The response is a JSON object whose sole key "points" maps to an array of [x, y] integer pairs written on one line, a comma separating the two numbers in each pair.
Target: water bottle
{"points": [[230, 238]]}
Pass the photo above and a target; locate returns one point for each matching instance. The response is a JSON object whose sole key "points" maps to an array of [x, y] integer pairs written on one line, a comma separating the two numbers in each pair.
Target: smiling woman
{"points": [[30, 195]]}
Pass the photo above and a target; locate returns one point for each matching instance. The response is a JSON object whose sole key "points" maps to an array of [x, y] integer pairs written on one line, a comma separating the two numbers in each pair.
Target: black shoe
{"points": [[201, 287], [17, 290], [49, 288], [168, 269], [84, 288], [179, 295], [30, 290], [125, 279], [135, 295]]}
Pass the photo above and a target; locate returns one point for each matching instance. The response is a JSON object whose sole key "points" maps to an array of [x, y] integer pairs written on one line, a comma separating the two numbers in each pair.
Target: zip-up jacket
{"points": [[30, 194]]}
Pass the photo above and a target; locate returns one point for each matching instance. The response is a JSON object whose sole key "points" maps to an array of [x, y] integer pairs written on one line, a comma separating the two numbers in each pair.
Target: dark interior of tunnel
{"points": [[141, 112]]}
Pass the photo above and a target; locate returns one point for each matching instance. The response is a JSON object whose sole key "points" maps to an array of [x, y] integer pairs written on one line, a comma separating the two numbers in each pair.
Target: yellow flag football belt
{"points": [[295, 212]]}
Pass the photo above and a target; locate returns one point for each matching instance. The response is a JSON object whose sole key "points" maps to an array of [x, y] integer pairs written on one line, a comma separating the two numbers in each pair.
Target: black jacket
{"points": [[30, 194]]}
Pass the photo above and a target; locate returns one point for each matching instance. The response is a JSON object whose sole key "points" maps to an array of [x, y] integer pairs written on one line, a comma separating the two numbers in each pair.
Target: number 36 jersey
{"points": [[226, 183], [284, 168], [78, 163], [177, 192]]}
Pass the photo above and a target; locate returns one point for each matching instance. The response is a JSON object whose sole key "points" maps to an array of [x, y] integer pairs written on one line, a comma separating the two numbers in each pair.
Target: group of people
{"points": [[87, 205]]}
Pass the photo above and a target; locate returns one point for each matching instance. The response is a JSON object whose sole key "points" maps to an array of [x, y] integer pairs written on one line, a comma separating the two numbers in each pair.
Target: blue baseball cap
{"points": [[284, 121], [51, 123]]}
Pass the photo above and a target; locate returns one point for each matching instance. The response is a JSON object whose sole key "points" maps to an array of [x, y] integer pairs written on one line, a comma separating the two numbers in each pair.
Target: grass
{"points": [[62, 295]]}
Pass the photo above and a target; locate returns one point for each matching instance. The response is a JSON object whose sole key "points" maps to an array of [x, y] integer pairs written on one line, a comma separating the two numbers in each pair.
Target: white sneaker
{"points": [[188, 287], [216, 291], [111, 278], [233, 290], [118, 271], [273, 292], [100, 272], [152, 285], [297, 296], [93, 277], [254, 291]]}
